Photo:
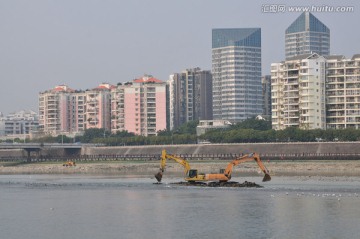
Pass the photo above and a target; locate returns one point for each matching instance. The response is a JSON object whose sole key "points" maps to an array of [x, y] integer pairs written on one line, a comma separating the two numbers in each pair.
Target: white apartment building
{"points": [[311, 91], [298, 92], [17, 124], [343, 92], [206, 125], [98, 107]]}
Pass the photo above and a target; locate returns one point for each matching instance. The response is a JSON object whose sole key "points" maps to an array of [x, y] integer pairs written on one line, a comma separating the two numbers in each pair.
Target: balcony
{"points": [[335, 93], [350, 64], [335, 114], [335, 121], [291, 115], [352, 72], [335, 101], [291, 95], [291, 102], [336, 107]]}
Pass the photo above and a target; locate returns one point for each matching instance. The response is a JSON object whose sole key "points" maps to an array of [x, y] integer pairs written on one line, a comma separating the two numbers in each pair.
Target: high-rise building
{"points": [[55, 110], [190, 96], [266, 93], [311, 91], [307, 35], [298, 92], [98, 107], [343, 92], [236, 71], [139, 106]]}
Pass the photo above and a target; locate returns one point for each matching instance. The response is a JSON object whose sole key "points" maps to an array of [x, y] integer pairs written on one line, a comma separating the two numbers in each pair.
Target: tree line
{"points": [[248, 131]]}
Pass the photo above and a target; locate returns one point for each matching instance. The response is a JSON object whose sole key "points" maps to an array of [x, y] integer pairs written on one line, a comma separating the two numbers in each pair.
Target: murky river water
{"points": [[63, 206]]}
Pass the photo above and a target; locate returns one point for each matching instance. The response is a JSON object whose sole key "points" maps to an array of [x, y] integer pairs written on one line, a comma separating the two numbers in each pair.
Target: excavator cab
{"points": [[193, 173]]}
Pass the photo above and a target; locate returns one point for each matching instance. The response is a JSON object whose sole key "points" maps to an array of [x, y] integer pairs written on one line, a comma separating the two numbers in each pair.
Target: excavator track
{"points": [[229, 184]]}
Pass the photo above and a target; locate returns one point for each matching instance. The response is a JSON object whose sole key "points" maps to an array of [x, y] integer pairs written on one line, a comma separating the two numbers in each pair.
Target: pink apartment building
{"points": [[139, 106], [63, 110], [55, 106]]}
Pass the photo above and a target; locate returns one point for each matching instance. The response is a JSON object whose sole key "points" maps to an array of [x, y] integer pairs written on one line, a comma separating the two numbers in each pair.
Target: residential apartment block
{"points": [[266, 95], [97, 107], [236, 71], [298, 92], [139, 106], [20, 123], [190, 96], [64, 110], [343, 92], [307, 35], [312, 91], [55, 108]]}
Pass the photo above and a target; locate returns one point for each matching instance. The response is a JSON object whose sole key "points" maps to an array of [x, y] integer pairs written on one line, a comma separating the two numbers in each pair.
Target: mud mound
{"points": [[230, 184]]}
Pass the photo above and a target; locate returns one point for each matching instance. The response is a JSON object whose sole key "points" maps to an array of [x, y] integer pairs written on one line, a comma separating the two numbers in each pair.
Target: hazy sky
{"points": [[82, 43]]}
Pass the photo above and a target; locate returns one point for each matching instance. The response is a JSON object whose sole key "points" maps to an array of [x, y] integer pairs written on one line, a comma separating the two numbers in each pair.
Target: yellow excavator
{"points": [[69, 163], [224, 175]]}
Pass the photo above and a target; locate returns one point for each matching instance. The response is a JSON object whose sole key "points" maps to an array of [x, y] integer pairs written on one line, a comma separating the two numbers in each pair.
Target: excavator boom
{"points": [[164, 157], [246, 158]]}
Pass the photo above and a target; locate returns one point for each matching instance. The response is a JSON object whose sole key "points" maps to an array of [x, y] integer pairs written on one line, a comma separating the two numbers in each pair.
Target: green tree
{"points": [[164, 132], [187, 128], [93, 133], [123, 133], [253, 123]]}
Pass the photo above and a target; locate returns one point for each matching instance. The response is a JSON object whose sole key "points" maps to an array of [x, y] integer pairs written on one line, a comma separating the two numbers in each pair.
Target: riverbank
{"points": [[277, 168]]}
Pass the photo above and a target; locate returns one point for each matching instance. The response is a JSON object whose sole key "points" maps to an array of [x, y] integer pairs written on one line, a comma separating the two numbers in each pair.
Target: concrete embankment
{"points": [[262, 148], [314, 151]]}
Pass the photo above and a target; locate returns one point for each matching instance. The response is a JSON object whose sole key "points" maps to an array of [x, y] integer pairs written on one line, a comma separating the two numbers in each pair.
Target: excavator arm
{"points": [[246, 158], [164, 157], [224, 176]]}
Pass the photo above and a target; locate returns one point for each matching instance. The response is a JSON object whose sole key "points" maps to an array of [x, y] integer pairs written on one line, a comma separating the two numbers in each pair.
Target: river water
{"points": [[102, 207]]}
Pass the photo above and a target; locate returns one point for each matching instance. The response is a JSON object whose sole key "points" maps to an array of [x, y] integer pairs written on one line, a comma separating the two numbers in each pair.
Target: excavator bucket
{"points": [[266, 177], [158, 176]]}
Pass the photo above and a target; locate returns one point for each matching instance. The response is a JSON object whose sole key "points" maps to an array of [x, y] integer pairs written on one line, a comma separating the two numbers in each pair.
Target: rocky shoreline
{"points": [[279, 168]]}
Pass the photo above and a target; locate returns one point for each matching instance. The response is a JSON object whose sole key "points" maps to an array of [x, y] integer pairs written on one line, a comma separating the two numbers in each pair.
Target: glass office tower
{"points": [[236, 69], [307, 35]]}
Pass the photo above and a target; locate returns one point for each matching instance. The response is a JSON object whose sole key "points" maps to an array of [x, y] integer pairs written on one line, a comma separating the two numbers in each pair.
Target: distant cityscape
{"points": [[310, 89]]}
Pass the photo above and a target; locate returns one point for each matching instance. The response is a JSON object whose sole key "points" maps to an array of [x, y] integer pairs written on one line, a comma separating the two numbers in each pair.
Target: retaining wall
{"points": [[273, 150], [261, 148]]}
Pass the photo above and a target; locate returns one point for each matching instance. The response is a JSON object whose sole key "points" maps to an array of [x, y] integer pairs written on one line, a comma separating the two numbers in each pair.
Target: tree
{"points": [[164, 132], [93, 133], [187, 128], [253, 123], [123, 133]]}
